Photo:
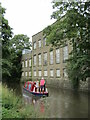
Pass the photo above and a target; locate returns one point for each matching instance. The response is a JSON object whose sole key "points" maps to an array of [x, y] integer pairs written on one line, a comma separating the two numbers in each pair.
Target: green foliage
{"points": [[72, 26], [11, 50], [13, 106], [6, 34], [20, 42]]}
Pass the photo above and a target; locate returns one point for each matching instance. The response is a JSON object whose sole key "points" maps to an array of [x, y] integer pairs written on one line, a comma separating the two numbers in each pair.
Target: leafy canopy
{"points": [[72, 26]]}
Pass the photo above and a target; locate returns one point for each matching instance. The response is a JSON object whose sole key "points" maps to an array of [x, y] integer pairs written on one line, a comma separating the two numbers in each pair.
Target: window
{"points": [[22, 73], [30, 63], [44, 41], [39, 59], [65, 73], [29, 87], [26, 85], [57, 56], [26, 63], [58, 72], [51, 57], [23, 64], [39, 43], [65, 53], [40, 73], [45, 58], [51, 73], [25, 73], [34, 60], [29, 73], [34, 45], [45, 72], [34, 72]]}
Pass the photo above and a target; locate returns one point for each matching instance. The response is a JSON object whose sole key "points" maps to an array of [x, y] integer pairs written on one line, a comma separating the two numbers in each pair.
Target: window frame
{"points": [[34, 60], [45, 73], [65, 53], [45, 58], [51, 58], [57, 56], [57, 73], [34, 45], [39, 59], [39, 43]]}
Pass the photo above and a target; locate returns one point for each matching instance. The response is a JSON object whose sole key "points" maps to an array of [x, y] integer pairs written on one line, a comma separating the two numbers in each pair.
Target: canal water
{"points": [[59, 103]]}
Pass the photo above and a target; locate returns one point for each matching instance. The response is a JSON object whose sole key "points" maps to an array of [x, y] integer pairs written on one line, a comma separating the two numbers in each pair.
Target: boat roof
{"points": [[30, 82]]}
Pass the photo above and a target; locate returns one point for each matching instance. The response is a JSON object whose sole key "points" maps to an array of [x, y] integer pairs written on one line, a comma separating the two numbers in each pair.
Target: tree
{"points": [[18, 44], [11, 50], [6, 34], [73, 26]]}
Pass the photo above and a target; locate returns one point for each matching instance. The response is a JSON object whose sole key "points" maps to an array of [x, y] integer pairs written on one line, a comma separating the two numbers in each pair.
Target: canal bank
{"points": [[67, 84]]}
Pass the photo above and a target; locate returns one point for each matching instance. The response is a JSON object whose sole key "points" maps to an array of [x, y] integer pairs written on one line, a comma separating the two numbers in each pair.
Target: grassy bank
{"points": [[13, 106]]}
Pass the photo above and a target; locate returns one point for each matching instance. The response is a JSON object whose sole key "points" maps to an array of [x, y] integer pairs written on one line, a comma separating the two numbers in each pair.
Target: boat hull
{"points": [[37, 93]]}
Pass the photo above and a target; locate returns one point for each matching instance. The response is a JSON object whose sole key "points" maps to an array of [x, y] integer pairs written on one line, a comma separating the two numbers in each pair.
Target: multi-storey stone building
{"points": [[48, 61], [45, 60], [26, 65]]}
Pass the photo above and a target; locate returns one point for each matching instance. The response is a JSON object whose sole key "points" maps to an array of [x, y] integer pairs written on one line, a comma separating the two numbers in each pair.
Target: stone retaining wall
{"points": [[66, 84]]}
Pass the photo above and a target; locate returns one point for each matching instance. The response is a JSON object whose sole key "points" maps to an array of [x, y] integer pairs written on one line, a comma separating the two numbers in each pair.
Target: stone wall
{"points": [[66, 84], [84, 85]]}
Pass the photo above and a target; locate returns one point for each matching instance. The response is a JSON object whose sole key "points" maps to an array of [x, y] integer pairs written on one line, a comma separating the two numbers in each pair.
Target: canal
{"points": [[59, 103]]}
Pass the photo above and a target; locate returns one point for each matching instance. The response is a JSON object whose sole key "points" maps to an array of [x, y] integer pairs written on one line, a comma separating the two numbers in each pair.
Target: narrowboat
{"points": [[31, 88]]}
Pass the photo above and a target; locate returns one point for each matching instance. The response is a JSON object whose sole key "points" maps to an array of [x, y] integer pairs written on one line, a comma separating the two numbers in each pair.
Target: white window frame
{"points": [[45, 73], [29, 62], [65, 53], [44, 41], [23, 64], [45, 58], [34, 45], [39, 59], [57, 55], [65, 73], [39, 73], [26, 74], [58, 72], [39, 43], [30, 73], [22, 74], [51, 57], [26, 63], [35, 74], [51, 73], [34, 60]]}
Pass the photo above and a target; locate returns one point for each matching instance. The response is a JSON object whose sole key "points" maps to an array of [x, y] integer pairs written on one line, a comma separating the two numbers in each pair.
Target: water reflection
{"points": [[59, 104]]}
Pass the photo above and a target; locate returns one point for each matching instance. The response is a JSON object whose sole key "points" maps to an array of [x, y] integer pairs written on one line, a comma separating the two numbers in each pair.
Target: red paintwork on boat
{"points": [[26, 87]]}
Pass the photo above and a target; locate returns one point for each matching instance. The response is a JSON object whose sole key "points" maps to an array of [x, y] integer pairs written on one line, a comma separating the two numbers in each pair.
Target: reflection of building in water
{"points": [[33, 101], [27, 99], [30, 99]]}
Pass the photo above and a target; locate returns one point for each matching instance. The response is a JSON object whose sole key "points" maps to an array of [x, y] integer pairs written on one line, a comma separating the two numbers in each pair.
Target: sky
{"points": [[28, 16]]}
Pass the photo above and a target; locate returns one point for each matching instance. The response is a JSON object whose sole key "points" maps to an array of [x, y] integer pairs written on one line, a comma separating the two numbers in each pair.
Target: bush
{"points": [[13, 106]]}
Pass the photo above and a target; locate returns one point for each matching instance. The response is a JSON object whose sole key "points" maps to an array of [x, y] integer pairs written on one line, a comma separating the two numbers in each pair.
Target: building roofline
{"points": [[48, 25], [37, 33], [43, 29]]}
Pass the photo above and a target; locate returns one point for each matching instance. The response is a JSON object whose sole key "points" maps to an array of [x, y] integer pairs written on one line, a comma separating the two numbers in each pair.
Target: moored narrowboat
{"points": [[30, 87]]}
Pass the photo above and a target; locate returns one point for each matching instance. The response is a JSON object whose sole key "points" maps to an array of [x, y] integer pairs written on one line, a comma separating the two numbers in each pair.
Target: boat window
{"points": [[29, 86], [26, 85]]}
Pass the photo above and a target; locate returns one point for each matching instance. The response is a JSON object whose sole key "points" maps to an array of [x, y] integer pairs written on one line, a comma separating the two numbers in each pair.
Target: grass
{"points": [[13, 106]]}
